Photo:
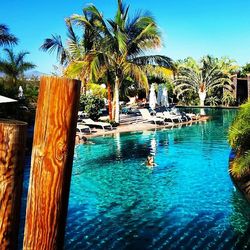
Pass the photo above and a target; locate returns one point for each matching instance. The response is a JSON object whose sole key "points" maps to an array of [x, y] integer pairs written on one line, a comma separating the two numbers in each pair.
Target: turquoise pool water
{"points": [[186, 202]]}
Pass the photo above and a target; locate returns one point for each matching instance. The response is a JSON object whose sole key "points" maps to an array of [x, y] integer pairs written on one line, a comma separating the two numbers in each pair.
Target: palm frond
{"points": [[159, 60], [70, 32], [137, 73], [6, 38], [55, 44]]}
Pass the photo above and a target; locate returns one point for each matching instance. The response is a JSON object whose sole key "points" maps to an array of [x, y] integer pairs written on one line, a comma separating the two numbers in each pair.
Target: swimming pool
{"points": [[186, 202]]}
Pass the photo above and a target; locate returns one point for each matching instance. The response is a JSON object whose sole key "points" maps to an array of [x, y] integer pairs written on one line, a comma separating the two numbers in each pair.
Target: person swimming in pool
{"points": [[150, 161]]}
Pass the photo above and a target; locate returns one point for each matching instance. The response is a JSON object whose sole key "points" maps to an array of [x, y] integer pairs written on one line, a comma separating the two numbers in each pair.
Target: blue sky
{"points": [[189, 28]]}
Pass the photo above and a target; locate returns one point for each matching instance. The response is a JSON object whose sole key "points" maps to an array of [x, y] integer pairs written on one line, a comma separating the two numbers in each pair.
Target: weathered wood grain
{"points": [[51, 164], [12, 154]]}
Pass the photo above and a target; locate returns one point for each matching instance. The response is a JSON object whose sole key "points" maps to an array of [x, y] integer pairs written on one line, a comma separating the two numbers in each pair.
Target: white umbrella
{"points": [[20, 92], [152, 97], [164, 97], [4, 99]]}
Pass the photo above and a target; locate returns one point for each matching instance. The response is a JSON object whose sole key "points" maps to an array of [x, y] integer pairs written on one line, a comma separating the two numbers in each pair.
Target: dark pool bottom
{"points": [[186, 202]]}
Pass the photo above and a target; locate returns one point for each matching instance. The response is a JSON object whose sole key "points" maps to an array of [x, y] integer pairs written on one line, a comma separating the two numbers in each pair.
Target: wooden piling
{"points": [[12, 154], [51, 164]]}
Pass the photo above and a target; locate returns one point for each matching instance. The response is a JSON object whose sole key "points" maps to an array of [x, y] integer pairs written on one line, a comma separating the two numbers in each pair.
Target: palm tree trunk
{"points": [[83, 87], [109, 101], [202, 96], [116, 101]]}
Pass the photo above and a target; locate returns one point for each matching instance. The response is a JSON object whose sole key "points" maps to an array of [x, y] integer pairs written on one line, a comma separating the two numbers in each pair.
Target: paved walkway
{"points": [[129, 123]]}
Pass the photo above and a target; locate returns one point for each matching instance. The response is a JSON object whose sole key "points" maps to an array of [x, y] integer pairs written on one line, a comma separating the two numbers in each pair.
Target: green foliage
{"points": [[31, 90], [189, 98], [213, 100], [228, 99], [97, 90], [9, 92], [240, 166], [208, 76], [245, 70], [91, 105], [239, 139], [239, 132]]}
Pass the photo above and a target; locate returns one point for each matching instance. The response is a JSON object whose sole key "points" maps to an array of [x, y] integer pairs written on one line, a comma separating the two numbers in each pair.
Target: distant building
{"points": [[241, 88]]}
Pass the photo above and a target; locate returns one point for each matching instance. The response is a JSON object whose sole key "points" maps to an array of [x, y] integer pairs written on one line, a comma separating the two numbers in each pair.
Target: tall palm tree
{"points": [[14, 65], [6, 38], [75, 49], [122, 47], [201, 79]]}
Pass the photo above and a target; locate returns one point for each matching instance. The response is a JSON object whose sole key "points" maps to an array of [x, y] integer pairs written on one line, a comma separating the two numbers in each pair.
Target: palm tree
{"points": [[201, 79], [6, 38], [121, 47], [14, 65], [76, 49]]}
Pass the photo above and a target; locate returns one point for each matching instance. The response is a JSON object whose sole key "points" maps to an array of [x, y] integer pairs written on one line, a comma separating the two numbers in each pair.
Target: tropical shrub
{"points": [[91, 105], [31, 91], [239, 139], [9, 92], [228, 99], [213, 101]]}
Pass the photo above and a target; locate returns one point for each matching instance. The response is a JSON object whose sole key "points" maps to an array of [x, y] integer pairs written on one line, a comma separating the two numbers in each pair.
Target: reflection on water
{"points": [[187, 201]]}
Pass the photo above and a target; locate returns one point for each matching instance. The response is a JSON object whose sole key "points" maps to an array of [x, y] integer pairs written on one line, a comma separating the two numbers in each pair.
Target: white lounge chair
{"points": [[193, 116], [146, 116], [82, 129], [183, 117], [92, 123], [167, 116]]}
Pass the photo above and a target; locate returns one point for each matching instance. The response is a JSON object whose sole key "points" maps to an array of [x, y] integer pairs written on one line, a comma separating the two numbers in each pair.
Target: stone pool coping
{"points": [[141, 126], [208, 107]]}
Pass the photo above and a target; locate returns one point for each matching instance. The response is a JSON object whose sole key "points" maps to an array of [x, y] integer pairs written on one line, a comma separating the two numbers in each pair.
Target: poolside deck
{"points": [[135, 123]]}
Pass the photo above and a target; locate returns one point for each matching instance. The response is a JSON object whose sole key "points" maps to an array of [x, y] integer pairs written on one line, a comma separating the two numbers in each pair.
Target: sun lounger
{"points": [[182, 115], [82, 129], [167, 116], [91, 123], [193, 116], [146, 116]]}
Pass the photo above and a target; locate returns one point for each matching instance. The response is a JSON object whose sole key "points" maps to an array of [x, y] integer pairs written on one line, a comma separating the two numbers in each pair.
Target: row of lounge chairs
{"points": [[84, 125], [167, 116]]}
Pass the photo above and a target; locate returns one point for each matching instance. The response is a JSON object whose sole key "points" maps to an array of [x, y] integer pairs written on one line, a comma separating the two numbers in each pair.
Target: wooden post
{"points": [[51, 164], [12, 154]]}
